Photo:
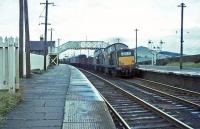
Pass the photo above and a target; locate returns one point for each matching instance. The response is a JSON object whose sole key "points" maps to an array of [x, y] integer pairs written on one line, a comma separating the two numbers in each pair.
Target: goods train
{"points": [[116, 59], [79, 61]]}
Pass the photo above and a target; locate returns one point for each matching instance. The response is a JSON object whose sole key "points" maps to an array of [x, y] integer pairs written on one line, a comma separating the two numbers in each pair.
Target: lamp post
{"points": [[150, 43], [51, 30], [21, 38], [161, 43], [136, 30], [51, 38], [182, 5], [155, 50]]}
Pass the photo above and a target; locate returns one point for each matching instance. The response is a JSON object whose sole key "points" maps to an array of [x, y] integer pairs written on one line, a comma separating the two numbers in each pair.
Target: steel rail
{"points": [[189, 103], [159, 112], [176, 88], [122, 121]]}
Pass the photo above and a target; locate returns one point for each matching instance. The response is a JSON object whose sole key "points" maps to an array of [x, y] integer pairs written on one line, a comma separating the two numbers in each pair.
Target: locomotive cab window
{"points": [[125, 53]]}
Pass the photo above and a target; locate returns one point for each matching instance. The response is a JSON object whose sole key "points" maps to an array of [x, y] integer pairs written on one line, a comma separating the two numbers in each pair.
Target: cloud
{"points": [[108, 19], [191, 41]]}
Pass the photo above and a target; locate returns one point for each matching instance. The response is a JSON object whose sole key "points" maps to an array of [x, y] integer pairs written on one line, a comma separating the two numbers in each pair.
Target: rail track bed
{"points": [[138, 114]]}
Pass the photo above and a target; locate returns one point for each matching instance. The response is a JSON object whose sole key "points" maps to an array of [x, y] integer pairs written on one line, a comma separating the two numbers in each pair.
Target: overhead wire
{"points": [[42, 11]]}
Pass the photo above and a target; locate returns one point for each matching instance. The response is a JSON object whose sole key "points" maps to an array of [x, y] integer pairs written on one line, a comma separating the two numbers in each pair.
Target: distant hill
{"points": [[172, 54], [145, 53]]}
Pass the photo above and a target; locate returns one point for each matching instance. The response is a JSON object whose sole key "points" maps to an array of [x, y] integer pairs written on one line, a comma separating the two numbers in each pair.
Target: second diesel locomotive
{"points": [[116, 59]]}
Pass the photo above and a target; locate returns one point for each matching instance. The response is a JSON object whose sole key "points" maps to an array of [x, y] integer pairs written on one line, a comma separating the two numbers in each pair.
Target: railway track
{"points": [[191, 98], [135, 112], [181, 110]]}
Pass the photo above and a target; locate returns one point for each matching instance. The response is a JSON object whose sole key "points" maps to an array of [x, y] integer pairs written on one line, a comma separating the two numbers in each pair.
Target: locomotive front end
{"points": [[126, 62]]}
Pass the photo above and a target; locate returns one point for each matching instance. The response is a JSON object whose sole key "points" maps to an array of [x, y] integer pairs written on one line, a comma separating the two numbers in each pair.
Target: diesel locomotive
{"points": [[116, 59]]}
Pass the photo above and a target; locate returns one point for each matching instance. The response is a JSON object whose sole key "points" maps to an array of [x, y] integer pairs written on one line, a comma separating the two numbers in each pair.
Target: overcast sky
{"points": [[110, 19]]}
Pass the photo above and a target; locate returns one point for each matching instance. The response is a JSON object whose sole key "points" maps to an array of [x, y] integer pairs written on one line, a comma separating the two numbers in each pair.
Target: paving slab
{"points": [[44, 99]]}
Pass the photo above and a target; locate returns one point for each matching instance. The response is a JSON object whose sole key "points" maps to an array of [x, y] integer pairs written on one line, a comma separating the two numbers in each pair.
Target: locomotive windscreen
{"points": [[126, 53]]}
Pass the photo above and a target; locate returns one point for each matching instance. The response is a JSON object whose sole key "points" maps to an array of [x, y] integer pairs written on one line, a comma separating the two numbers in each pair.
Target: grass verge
{"points": [[7, 102]]}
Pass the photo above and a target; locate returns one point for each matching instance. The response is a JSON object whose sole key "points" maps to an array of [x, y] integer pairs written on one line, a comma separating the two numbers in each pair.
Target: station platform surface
{"points": [[59, 98], [85, 109], [171, 69]]}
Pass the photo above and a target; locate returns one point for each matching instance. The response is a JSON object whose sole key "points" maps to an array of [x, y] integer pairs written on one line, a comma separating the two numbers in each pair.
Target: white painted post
{"points": [[11, 65], [4, 66], [57, 59], [155, 58], [17, 62], [152, 58], [6, 63], [1, 63]]}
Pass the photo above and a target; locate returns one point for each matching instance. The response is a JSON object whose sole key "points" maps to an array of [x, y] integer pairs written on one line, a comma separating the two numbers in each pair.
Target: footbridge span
{"points": [[92, 45]]}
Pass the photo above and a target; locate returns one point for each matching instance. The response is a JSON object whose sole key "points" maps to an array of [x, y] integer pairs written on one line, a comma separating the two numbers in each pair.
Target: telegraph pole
{"points": [[182, 5], [45, 32], [21, 38], [27, 40], [136, 30]]}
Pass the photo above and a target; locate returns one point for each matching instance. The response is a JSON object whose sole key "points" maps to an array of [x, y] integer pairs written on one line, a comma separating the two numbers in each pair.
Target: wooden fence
{"points": [[9, 64]]}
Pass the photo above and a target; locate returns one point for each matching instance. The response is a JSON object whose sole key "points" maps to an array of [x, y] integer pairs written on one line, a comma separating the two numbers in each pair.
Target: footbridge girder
{"points": [[92, 45]]}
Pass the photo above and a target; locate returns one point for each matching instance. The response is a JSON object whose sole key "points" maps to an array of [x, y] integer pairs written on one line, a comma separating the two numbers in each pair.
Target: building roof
{"points": [[39, 45]]}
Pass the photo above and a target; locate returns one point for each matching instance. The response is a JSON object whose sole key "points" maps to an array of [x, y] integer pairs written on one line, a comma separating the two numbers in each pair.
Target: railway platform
{"points": [[171, 69], [187, 78], [61, 98]]}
